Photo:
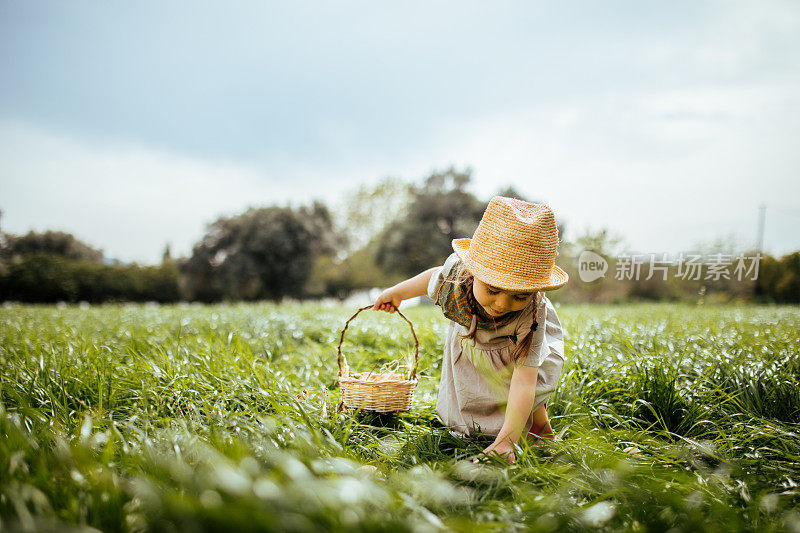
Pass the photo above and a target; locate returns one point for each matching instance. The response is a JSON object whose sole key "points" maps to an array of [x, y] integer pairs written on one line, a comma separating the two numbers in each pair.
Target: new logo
{"points": [[591, 266]]}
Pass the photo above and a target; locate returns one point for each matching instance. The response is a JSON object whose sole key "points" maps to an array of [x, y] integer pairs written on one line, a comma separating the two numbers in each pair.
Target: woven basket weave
{"points": [[381, 393]]}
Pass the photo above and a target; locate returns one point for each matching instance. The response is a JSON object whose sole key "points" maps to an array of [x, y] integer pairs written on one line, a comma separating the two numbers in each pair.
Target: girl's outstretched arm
{"points": [[389, 300], [521, 396]]}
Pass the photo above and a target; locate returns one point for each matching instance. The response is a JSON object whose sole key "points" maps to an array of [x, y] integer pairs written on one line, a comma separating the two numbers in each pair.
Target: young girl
{"points": [[504, 348]]}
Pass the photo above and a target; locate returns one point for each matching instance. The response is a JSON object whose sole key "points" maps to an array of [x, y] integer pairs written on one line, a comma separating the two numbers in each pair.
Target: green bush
{"points": [[42, 278]]}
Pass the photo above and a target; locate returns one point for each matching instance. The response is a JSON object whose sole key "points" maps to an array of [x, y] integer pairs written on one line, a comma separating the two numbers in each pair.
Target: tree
{"points": [[603, 289], [440, 210], [3, 247], [42, 278], [368, 211], [56, 243], [166, 256], [264, 253], [360, 219], [339, 278], [779, 279]]}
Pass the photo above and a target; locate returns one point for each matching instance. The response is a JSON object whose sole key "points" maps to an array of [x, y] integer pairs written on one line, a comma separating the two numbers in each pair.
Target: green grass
{"points": [[139, 418]]}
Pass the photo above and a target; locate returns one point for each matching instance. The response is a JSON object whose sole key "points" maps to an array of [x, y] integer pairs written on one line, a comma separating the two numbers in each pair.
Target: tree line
{"points": [[55, 266], [379, 235]]}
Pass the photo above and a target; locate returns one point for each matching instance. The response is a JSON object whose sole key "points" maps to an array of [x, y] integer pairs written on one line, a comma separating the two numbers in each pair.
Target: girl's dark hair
{"points": [[465, 281]]}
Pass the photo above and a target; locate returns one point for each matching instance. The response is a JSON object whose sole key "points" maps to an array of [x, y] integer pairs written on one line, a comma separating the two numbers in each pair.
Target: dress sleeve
{"points": [[440, 274], [548, 335]]}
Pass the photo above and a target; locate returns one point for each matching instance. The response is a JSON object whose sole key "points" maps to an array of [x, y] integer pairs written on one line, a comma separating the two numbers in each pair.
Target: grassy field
{"points": [[138, 418]]}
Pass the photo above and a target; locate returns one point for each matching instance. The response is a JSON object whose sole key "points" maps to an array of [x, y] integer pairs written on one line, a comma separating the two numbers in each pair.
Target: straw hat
{"points": [[514, 247]]}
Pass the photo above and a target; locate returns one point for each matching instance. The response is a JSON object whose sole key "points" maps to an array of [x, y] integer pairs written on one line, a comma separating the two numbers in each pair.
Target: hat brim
{"points": [[501, 280]]}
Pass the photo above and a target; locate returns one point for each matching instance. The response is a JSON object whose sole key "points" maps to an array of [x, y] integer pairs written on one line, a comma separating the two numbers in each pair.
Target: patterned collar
{"points": [[453, 300]]}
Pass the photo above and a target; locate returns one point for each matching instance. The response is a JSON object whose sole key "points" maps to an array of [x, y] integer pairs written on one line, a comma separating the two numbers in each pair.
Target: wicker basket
{"points": [[383, 392]]}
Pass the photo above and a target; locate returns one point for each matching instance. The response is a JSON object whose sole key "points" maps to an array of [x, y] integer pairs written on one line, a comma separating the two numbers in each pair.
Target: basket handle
{"points": [[341, 339]]}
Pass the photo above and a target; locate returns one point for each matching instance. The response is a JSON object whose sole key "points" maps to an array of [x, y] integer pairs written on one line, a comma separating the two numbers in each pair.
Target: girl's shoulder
{"points": [[451, 266], [447, 273]]}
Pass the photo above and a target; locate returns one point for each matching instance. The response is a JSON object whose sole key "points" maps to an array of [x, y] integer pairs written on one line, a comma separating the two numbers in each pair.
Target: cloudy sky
{"points": [[135, 124]]}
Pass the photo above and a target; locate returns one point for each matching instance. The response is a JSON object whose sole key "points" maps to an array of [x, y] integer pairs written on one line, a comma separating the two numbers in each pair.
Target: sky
{"points": [[133, 125]]}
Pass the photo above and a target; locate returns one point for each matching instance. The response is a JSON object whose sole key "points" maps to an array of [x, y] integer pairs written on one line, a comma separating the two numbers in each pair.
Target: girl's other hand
{"points": [[387, 301], [541, 435], [503, 448]]}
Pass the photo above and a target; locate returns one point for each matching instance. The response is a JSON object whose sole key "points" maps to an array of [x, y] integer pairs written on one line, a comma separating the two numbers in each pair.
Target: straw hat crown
{"points": [[514, 247]]}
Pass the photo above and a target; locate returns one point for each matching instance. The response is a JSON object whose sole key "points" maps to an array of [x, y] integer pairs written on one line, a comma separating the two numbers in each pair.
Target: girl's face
{"points": [[497, 302]]}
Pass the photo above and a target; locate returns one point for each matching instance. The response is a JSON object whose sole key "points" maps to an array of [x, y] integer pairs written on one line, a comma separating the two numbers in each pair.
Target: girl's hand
{"points": [[503, 448], [542, 434], [387, 301]]}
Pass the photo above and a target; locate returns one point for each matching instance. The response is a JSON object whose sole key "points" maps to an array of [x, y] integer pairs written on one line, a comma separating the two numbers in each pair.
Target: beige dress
{"points": [[476, 377]]}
